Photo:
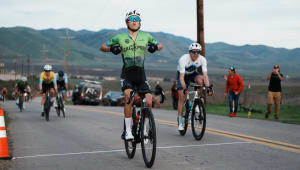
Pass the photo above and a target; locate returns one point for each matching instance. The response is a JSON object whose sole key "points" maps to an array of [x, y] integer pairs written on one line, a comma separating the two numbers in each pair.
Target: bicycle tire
{"points": [[185, 119], [57, 111], [21, 103], [130, 146], [47, 107], [62, 107], [151, 137], [198, 118]]}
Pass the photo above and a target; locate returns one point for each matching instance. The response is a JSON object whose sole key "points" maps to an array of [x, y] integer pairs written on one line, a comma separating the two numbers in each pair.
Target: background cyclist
{"points": [[47, 82], [187, 71], [20, 88], [62, 84]]}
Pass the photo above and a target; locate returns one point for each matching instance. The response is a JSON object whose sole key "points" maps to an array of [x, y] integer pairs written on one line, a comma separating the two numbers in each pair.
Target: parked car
{"points": [[113, 98], [87, 92], [138, 100]]}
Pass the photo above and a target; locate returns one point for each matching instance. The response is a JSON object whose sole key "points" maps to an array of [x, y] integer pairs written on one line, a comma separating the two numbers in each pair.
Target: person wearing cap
{"points": [[274, 91], [234, 87], [158, 94], [133, 46]]}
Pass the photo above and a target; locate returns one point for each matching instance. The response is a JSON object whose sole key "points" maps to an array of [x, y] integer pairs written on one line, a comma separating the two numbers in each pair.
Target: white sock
{"points": [[180, 119], [128, 124]]}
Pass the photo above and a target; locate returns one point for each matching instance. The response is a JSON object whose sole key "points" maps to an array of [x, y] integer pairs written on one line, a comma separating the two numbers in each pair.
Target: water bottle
{"points": [[137, 117], [249, 113], [190, 105]]}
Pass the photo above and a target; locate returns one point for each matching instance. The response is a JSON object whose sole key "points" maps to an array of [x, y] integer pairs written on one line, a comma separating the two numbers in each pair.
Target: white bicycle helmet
{"points": [[132, 13], [195, 46], [47, 67], [24, 79]]}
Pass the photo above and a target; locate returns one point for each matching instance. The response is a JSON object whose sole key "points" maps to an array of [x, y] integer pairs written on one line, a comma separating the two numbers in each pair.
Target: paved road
{"points": [[89, 138]]}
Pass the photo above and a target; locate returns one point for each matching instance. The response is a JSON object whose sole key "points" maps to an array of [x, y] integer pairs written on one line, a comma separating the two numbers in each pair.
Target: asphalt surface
{"points": [[89, 138]]}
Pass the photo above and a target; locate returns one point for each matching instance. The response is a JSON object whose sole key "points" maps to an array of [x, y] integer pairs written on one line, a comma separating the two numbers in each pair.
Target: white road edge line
{"points": [[123, 150]]}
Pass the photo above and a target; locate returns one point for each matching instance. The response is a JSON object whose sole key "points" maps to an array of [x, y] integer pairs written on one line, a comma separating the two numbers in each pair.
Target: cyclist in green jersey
{"points": [[20, 88], [133, 46]]}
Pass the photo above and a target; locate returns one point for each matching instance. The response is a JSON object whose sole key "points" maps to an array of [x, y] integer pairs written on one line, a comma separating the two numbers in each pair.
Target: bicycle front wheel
{"points": [[198, 120], [62, 108], [185, 119], [148, 139], [130, 146], [21, 103]]}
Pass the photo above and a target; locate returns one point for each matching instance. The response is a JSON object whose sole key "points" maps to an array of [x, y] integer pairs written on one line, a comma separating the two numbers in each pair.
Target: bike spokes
{"points": [[148, 139], [198, 120]]}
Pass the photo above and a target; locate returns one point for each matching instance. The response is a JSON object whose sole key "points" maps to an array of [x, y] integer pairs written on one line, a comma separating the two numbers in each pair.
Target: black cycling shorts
{"points": [[127, 84], [21, 90], [61, 85], [187, 79], [47, 86]]}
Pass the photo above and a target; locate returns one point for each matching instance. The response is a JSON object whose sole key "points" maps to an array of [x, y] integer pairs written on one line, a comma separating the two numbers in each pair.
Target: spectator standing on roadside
{"points": [[274, 91], [234, 87], [4, 92], [158, 94], [174, 94]]}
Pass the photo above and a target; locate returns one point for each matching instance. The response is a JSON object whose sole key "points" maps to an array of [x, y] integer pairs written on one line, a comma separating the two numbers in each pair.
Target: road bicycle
{"points": [[47, 105], [143, 130], [21, 102], [60, 105], [196, 109]]}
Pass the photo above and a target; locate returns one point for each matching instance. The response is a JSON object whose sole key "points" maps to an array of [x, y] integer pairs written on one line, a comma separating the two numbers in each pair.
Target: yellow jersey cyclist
{"points": [[47, 82], [187, 71], [133, 46]]}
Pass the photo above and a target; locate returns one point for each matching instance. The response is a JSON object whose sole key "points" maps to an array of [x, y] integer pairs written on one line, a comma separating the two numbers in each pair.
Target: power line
{"points": [[66, 62], [44, 51]]}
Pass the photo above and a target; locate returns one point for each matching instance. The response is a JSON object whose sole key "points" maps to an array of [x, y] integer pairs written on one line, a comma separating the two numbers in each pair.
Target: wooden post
{"points": [[200, 25]]}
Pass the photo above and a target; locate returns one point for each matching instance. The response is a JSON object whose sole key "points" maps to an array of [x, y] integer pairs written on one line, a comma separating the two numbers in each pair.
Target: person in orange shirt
{"points": [[234, 87]]}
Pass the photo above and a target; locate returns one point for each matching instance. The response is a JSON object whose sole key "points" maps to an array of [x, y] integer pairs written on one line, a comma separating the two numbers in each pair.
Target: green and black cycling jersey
{"points": [[133, 51], [21, 86]]}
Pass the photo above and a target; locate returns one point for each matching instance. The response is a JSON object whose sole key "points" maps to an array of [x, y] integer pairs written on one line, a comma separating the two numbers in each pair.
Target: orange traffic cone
{"points": [[4, 154]]}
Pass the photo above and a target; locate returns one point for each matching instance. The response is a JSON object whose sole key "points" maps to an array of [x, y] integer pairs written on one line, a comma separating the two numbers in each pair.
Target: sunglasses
{"points": [[136, 19], [195, 52], [275, 67]]}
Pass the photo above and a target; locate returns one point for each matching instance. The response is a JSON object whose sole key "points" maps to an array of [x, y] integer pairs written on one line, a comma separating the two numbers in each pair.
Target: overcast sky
{"points": [[270, 22]]}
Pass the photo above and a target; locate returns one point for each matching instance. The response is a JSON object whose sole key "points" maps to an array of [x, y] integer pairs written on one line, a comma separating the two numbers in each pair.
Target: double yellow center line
{"points": [[242, 137]]}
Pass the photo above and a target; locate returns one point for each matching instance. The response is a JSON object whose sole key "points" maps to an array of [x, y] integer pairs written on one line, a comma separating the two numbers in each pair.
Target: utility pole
{"points": [[66, 62], [200, 25], [2, 66], [28, 66], [22, 56], [16, 60], [44, 51]]}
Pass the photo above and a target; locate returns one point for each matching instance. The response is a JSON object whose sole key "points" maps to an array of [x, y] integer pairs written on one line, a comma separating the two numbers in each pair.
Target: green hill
{"points": [[84, 50]]}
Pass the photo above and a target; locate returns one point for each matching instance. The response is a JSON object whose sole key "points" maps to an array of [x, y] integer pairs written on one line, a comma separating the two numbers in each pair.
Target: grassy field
{"points": [[288, 114]]}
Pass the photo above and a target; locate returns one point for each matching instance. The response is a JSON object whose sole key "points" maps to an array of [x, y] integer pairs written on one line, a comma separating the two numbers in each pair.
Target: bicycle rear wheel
{"points": [[21, 103], [185, 119], [130, 146], [198, 120], [47, 107], [62, 107], [148, 137]]}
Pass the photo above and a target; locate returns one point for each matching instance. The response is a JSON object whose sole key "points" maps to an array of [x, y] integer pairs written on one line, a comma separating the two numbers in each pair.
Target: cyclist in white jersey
{"points": [[187, 71]]}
